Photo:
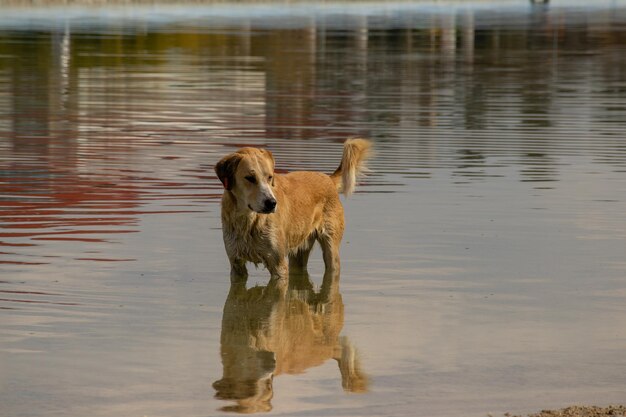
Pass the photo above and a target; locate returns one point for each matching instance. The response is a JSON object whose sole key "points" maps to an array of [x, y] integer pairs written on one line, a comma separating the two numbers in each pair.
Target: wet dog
{"points": [[269, 217]]}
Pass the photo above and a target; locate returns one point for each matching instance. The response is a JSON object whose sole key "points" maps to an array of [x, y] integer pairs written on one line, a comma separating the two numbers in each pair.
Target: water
{"points": [[483, 262]]}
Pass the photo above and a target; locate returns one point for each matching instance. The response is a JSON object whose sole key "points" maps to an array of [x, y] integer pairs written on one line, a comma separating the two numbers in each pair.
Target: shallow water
{"points": [[483, 264]]}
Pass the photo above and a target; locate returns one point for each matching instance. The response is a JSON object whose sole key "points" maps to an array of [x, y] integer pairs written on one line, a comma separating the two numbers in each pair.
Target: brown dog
{"points": [[267, 217]]}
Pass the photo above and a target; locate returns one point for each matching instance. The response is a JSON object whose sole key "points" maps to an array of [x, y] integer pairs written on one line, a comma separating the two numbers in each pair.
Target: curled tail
{"points": [[355, 152]]}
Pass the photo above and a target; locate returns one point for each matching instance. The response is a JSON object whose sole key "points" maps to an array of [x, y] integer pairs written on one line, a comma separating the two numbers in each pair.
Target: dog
{"points": [[268, 217]]}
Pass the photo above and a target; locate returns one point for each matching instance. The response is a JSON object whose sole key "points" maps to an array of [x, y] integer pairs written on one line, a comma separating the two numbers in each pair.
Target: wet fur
{"points": [[307, 209]]}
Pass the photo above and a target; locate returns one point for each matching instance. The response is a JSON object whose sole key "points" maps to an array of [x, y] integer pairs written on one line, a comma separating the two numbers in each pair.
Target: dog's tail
{"points": [[355, 152]]}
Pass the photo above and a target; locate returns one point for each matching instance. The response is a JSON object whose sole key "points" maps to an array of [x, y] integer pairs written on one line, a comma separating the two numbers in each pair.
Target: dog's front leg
{"points": [[279, 269], [238, 270]]}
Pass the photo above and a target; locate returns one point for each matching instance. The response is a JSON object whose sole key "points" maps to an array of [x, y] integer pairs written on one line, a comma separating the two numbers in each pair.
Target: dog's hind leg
{"points": [[330, 243]]}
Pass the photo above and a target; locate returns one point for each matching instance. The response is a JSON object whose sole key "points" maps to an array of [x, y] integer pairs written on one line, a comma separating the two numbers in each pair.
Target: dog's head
{"points": [[249, 175]]}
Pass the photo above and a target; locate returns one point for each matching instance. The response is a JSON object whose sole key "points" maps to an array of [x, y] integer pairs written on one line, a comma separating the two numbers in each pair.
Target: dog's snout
{"points": [[270, 205]]}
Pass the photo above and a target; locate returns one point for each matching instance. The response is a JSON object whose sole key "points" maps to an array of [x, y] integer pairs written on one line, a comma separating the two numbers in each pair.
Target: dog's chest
{"points": [[252, 244]]}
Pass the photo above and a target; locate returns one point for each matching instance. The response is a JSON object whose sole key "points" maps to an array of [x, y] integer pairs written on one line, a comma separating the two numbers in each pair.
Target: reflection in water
{"points": [[95, 127], [273, 330]]}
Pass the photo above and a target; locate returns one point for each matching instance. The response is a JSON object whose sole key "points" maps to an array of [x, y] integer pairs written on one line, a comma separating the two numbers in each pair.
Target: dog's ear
{"points": [[225, 169], [271, 158]]}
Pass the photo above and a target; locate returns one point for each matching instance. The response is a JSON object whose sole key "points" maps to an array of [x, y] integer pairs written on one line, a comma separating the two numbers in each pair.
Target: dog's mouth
{"points": [[264, 211]]}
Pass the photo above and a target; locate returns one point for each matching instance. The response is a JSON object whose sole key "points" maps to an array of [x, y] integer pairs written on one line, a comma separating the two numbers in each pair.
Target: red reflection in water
{"points": [[47, 202], [105, 259], [32, 235], [27, 292], [3, 243], [38, 302], [70, 239]]}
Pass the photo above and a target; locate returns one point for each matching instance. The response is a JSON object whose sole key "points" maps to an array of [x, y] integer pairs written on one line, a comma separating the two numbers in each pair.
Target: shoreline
{"points": [[579, 411]]}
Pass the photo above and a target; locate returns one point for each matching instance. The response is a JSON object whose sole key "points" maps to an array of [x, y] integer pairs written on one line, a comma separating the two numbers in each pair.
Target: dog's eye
{"points": [[270, 178], [251, 179]]}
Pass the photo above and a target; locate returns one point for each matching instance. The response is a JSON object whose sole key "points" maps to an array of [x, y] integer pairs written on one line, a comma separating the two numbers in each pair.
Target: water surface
{"points": [[483, 262]]}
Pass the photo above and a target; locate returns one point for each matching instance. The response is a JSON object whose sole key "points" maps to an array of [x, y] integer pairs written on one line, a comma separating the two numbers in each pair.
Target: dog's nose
{"points": [[270, 204]]}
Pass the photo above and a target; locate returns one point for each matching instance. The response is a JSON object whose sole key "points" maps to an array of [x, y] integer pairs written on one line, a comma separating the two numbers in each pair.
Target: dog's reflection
{"points": [[281, 329]]}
